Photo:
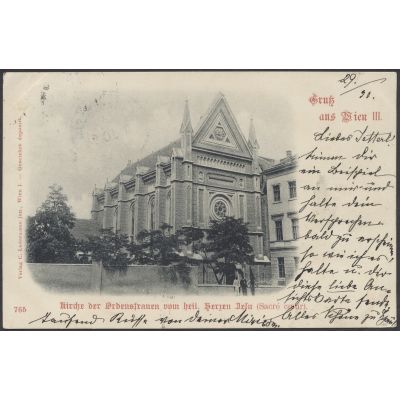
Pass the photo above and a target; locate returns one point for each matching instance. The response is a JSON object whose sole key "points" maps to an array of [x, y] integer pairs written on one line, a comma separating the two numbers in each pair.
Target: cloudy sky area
{"points": [[90, 124]]}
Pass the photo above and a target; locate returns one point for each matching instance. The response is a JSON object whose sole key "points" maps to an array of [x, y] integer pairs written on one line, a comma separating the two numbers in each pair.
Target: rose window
{"points": [[220, 208]]}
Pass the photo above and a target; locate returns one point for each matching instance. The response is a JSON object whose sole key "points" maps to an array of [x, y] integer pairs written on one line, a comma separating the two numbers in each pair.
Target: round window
{"points": [[219, 208], [219, 133]]}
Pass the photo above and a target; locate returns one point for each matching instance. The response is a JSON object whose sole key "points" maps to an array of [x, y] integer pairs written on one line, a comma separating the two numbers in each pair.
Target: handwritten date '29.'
{"points": [[352, 82]]}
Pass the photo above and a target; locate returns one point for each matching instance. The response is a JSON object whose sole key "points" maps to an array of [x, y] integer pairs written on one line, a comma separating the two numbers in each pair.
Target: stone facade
{"points": [[281, 218], [204, 175]]}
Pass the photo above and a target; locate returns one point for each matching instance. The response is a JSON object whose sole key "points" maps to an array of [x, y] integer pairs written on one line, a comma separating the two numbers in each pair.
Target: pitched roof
{"points": [[287, 162], [84, 228], [149, 161], [265, 162]]}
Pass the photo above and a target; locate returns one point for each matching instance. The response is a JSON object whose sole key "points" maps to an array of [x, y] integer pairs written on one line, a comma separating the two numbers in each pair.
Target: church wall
{"points": [[130, 200], [161, 196], [123, 217], [255, 241], [189, 203], [178, 198], [123, 210], [141, 213], [230, 182], [98, 213], [187, 174], [249, 183], [115, 211], [108, 210], [97, 216], [180, 205], [100, 217], [195, 211], [207, 179], [251, 211]]}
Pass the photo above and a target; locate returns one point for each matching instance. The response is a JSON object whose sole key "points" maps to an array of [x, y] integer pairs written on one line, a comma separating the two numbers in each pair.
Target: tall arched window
{"points": [[168, 210], [151, 216], [258, 212], [133, 220], [116, 219], [189, 203]]}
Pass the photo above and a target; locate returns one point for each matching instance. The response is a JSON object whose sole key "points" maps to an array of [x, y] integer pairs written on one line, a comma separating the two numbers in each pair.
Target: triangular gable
{"points": [[220, 132]]}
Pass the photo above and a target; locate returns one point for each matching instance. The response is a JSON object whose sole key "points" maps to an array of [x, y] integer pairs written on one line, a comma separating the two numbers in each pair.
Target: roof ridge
{"points": [[130, 169]]}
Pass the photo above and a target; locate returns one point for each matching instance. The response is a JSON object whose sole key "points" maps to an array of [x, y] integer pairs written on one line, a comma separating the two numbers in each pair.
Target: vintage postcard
{"points": [[199, 200]]}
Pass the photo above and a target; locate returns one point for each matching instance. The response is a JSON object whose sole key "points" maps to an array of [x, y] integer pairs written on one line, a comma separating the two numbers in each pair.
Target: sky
{"points": [[80, 129]]}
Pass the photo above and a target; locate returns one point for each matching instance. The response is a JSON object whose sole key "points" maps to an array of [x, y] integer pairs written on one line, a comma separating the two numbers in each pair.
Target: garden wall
{"points": [[135, 279]]}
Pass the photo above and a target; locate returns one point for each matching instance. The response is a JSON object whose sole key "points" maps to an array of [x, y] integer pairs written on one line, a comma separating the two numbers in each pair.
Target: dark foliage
{"points": [[49, 238], [109, 248], [228, 244]]}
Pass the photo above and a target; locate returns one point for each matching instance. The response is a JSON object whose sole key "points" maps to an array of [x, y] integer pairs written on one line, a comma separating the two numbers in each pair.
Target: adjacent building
{"points": [[281, 218]]}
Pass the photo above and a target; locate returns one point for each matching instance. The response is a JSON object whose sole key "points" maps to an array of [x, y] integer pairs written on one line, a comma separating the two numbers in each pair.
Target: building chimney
{"points": [[289, 153]]}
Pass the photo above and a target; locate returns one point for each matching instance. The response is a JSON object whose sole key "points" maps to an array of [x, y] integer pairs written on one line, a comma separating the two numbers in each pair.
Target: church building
{"points": [[207, 174]]}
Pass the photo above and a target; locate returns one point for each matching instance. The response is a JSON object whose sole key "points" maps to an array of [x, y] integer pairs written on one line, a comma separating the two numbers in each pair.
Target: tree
{"points": [[191, 236], [156, 246], [116, 252], [144, 250], [49, 237], [166, 245], [112, 249], [228, 243]]}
